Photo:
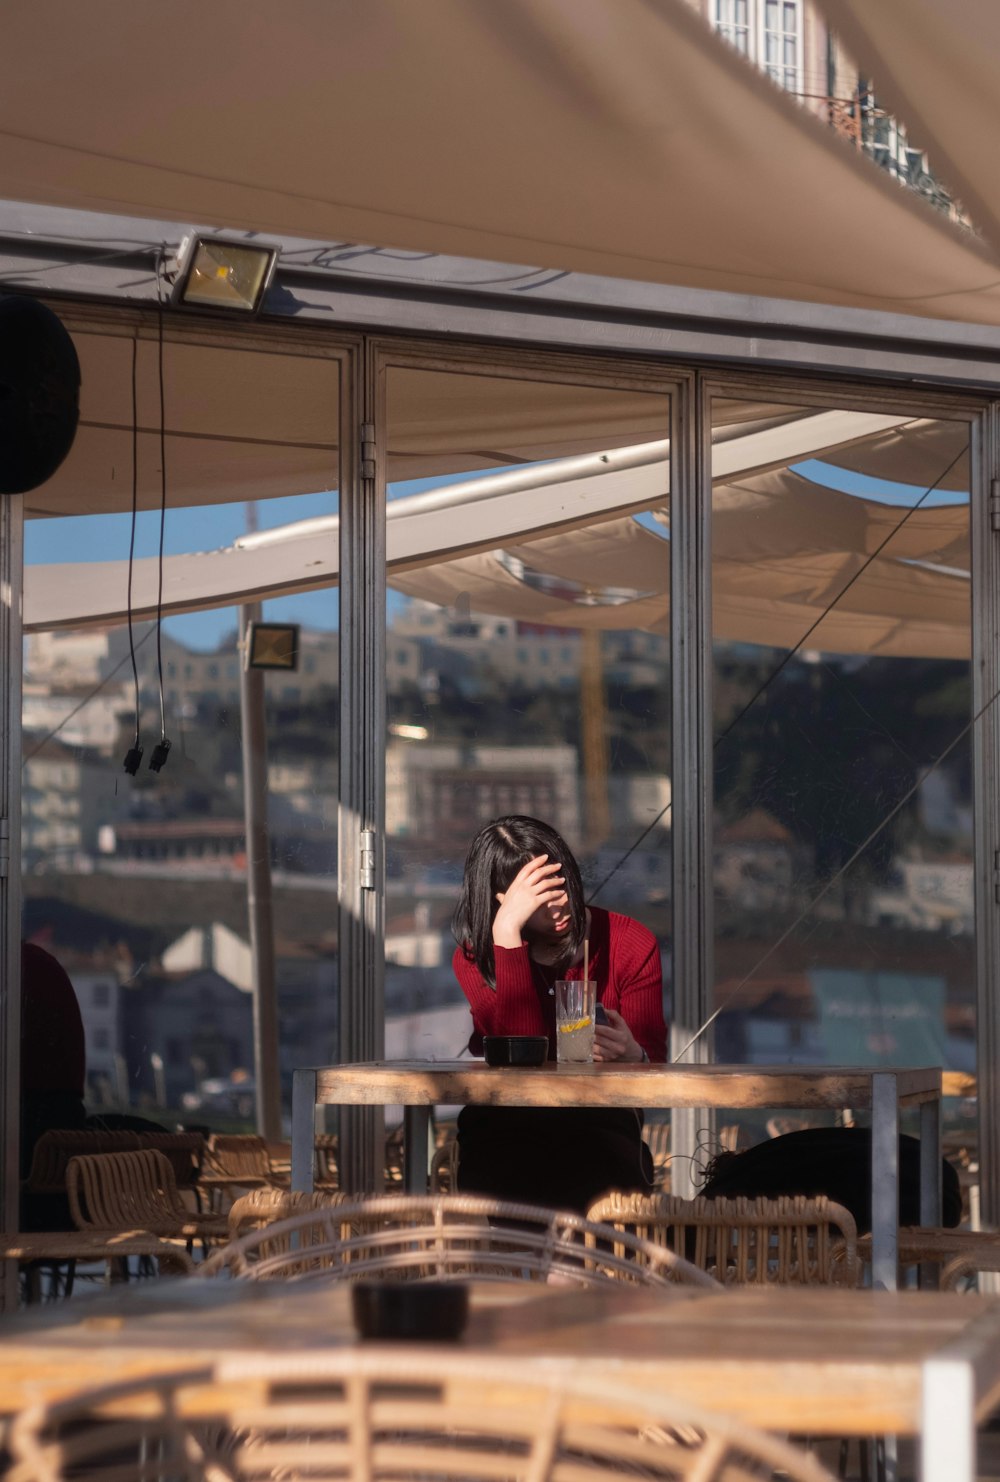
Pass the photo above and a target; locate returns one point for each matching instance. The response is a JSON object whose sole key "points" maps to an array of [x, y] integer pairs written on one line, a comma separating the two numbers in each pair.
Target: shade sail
{"points": [[566, 552], [244, 422], [936, 63], [619, 137], [558, 495]]}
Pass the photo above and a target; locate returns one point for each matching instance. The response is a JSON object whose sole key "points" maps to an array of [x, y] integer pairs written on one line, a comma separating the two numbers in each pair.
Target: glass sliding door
{"points": [[843, 859], [527, 644], [137, 885]]}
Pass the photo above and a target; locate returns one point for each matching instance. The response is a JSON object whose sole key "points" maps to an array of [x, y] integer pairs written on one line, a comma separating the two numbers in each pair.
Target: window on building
{"points": [[769, 33], [100, 1039], [100, 995]]}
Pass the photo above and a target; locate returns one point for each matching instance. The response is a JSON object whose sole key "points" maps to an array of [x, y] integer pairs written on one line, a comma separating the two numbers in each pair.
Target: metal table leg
{"points": [[930, 1163], [930, 1180], [303, 1133], [947, 1423], [885, 1181], [416, 1130]]}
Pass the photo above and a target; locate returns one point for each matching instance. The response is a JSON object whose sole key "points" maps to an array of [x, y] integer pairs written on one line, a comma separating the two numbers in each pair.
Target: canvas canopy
{"points": [[936, 63], [557, 544], [620, 137]]}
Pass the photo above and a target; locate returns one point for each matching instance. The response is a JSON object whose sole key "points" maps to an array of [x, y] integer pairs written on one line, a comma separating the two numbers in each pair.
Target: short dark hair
{"points": [[496, 854]]}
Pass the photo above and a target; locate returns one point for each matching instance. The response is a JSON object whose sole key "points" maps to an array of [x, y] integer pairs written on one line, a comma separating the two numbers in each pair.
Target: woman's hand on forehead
{"points": [[537, 885]]}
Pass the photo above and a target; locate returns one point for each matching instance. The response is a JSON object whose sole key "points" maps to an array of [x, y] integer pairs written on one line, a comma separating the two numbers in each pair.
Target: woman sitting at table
{"points": [[521, 923]]}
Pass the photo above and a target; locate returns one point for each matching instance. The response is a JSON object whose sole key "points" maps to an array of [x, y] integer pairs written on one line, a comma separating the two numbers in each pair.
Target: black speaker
{"points": [[39, 394]]}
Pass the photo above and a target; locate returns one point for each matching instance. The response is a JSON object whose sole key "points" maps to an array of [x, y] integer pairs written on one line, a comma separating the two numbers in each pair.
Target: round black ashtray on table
{"points": [[515, 1049], [421, 1311]]}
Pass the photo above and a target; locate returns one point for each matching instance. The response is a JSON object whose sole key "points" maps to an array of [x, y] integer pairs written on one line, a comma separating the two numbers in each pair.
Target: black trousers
{"points": [[559, 1157]]}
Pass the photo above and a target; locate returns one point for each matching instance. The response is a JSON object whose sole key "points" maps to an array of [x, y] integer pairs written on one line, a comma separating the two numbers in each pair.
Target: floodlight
{"points": [[218, 273], [273, 646]]}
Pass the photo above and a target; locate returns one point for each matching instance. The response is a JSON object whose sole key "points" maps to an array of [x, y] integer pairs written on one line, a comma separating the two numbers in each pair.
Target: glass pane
{"points": [[843, 826], [528, 648], [137, 885]]}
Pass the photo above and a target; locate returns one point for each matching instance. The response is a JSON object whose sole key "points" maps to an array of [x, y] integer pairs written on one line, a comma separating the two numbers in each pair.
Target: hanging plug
{"points": [[132, 759], [160, 753]]}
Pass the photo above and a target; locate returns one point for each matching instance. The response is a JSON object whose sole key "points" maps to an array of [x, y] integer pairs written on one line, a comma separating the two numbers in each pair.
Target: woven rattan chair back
{"points": [[134, 1191], [792, 1240], [444, 1168], [370, 1416], [53, 1150], [262, 1207], [238, 1155], [449, 1237], [326, 1175], [656, 1136], [184, 1151]]}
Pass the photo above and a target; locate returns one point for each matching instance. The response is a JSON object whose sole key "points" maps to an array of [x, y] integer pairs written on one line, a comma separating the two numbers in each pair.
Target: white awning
{"points": [[620, 137], [557, 544]]}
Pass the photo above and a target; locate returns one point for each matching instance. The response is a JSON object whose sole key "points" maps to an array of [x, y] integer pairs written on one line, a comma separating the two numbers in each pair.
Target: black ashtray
{"points": [[515, 1049], [428, 1311]]}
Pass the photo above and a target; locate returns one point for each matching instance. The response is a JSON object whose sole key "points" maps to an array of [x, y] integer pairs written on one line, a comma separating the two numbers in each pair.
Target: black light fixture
{"points": [[273, 646], [220, 273]]}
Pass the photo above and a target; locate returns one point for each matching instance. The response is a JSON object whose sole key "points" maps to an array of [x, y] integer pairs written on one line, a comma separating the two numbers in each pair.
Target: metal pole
{"points": [[11, 574], [260, 906], [691, 760]]}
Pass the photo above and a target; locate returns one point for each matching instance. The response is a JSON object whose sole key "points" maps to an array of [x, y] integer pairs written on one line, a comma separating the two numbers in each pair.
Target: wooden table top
{"points": [[454, 1082], [816, 1360]]}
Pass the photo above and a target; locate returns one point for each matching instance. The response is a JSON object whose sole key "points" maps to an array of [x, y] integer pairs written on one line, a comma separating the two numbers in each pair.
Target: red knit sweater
{"points": [[624, 962]]}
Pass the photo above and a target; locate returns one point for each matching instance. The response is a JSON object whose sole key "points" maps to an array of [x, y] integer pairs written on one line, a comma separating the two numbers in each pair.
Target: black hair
{"points": [[496, 854]]}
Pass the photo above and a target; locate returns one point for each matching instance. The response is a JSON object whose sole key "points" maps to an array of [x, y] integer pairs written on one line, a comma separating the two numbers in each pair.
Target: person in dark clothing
{"points": [[835, 1161], [53, 1073], [521, 923]]}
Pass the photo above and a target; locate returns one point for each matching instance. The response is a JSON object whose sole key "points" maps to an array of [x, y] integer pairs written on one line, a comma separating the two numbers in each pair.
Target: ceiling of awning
{"points": [[619, 137], [246, 423]]}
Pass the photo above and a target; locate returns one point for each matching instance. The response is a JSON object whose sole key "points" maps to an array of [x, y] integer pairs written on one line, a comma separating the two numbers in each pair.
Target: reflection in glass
{"points": [[843, 822], [139, 886], [527, 656]]}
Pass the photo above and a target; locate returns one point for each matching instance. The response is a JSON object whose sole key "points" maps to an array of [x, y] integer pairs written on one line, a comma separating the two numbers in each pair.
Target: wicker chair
{"points": [[263, 1207], [326, 1175], [656, 1136], [366, 1415], [807, 1242], [449, 1238], [444, 1168], [135, 1191]]}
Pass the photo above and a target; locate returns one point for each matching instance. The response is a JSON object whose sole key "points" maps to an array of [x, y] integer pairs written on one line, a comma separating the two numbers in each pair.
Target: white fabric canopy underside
{"points": [[548, 548], [619, 137]]}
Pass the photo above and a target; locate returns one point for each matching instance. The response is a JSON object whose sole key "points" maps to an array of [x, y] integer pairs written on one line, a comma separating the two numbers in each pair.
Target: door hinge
{"points": [[996, 875], [4, 848], [995, 504], [367, 451], [366, 863]]}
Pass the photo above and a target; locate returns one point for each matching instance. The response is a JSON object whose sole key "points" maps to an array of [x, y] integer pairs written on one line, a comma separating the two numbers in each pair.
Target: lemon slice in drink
{"points": [[574, 1024]]}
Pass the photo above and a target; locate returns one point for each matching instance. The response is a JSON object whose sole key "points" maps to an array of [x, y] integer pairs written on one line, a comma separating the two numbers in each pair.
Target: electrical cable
{"points": [[134, 755], [790, 654]]}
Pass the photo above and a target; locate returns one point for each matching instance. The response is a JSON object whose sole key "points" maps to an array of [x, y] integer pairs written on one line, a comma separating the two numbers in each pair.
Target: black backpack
{"points": [[835, 1161]]}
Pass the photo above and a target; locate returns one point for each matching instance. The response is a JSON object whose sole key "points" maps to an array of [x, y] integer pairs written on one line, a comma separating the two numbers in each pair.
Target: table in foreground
{"points": [[418, 1086], [811, 1361]]}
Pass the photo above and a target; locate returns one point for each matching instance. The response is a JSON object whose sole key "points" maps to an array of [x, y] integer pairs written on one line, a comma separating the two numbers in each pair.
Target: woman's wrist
{"points": [[507, 936]]}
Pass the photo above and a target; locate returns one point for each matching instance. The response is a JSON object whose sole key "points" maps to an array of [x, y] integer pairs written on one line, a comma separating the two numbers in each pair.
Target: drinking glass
{"points": [[575, 1000]]}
